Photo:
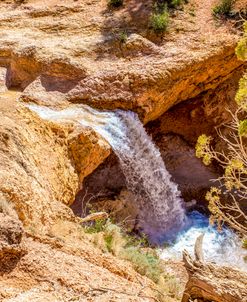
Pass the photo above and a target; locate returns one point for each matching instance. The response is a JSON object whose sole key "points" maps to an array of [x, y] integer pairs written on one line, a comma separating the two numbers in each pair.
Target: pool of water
{"points": [[223, 247]]}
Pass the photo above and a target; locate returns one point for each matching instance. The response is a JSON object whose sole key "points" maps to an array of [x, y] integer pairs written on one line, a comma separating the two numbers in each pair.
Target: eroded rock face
{"points": [[149, 90], [40, 169], [152, 91], [87, 150], [11, 249], [67, 53], [199, 115]]}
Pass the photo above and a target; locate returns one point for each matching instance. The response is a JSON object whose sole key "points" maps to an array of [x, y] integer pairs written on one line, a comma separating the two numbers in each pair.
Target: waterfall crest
{"points": [[158, 198]]}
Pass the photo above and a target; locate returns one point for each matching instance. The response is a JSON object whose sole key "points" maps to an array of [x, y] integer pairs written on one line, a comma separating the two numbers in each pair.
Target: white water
{"points": [[161, 210], [223, 247]]}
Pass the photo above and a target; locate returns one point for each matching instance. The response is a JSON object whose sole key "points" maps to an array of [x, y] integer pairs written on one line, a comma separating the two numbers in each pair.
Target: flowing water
{"points": [[161, 209], [220, 247], [162, 216]]}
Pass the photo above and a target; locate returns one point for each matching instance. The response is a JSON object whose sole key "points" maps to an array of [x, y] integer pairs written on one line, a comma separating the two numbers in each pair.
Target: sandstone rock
{"points": [[72, 268], [201, 114], [137, 45], [48, 91], [208, 282], [153, 90], [11, 250], [75, 43], [3, 72], [37, 173], [88, 150], [63, 53]]}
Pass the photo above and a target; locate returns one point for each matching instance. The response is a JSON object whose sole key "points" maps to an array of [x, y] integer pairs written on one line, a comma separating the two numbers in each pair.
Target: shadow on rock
{"points": [[11, 248]]}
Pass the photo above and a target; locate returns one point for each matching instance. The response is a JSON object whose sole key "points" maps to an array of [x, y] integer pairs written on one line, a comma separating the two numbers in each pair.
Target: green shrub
{"points": [[241, 49], [144, 263], [223, 8], [137, 241], [245, 243], [126, 247], [159, 21], [175, 3], [96, 226], [115, 3], [109, 237], [122, 37], [114, 239]]}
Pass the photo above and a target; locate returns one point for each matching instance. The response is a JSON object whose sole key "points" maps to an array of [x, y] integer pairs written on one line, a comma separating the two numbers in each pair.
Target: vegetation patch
{"points": [[112, 238], [176, 3], [224, 7], [122, 36], [159, 19], [145, 263]]}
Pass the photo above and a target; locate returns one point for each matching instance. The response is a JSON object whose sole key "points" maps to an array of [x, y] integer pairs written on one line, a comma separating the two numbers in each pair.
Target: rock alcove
{"points": [[175, 134]]}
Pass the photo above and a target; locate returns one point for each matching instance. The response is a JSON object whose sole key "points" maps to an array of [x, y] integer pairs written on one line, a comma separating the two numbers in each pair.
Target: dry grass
{"points": [[7, 208], [110, 238], [67, 231]]}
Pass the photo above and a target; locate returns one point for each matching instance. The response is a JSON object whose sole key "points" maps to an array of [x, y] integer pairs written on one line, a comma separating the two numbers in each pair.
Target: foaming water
{"points": [[223, 248], [161, 211]]}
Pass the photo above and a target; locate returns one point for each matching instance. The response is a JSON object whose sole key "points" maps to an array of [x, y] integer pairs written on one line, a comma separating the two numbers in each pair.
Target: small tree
{"points": [[233, 182]]}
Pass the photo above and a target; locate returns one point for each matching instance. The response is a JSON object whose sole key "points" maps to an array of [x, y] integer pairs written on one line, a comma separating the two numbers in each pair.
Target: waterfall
{"points": [[161, 213], [161, 210]]}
